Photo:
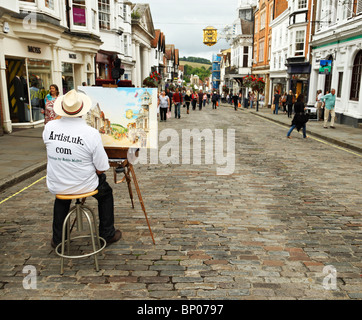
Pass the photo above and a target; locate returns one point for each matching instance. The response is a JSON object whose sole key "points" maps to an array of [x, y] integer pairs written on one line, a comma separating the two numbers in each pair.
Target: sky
{"points": [[183, 21]]}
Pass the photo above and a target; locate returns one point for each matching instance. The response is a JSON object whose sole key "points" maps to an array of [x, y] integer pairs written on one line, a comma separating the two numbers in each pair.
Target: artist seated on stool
{"points": [[76, 164]]}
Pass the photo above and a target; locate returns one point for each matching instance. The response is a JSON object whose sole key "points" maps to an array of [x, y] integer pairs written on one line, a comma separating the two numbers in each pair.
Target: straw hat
{"points": [[73, 104]]}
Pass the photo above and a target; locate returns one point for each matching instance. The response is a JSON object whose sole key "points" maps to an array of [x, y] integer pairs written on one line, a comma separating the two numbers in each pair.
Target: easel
{"points": [[118, 160]]}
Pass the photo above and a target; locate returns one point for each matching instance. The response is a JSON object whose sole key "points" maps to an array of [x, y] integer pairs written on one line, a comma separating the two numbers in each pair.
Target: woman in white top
{"points": [[164, 104]]}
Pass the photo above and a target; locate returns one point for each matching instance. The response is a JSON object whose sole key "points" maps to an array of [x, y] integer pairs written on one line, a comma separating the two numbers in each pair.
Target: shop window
{"points": [[67, 77], [246, 57], [356, 77], [79, 13]]}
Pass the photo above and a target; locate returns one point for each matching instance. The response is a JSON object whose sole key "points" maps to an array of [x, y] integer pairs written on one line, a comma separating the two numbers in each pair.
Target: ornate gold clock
{"points": [[210, 36]]}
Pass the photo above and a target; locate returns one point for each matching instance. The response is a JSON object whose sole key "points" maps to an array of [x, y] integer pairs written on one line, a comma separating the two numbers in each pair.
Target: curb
{"points": [[328, 139], [23, 175]]}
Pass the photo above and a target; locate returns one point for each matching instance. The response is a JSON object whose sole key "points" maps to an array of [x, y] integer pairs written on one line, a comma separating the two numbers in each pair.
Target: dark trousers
{"points": [[290, 110], [188, 105], [105, 212], [214, 104], [194, 102], [163, 112], [200, 105]]}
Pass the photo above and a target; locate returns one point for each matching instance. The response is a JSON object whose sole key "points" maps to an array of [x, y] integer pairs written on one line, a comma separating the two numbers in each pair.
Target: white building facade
{"points": [[279, 79], [338, 39], [43, 43]]}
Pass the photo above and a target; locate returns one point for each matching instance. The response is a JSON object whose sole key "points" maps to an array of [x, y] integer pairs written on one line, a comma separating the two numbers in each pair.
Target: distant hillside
{"points": [[195, 64], [197, 60]]}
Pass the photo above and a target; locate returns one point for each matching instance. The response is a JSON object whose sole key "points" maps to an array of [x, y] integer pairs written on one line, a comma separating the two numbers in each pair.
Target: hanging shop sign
{"points": [[210, 36]]}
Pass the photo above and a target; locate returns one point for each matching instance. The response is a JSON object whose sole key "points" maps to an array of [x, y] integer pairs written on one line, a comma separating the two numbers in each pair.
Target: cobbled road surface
{"points": [[272, 229]]}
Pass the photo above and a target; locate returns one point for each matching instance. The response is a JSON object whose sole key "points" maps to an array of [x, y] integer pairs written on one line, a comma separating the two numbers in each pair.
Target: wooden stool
{"points": [[79, 209]]}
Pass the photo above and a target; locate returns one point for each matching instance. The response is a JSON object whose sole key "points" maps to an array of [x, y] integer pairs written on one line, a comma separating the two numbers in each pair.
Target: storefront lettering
{"points": [[72, 56], [34, 49]]}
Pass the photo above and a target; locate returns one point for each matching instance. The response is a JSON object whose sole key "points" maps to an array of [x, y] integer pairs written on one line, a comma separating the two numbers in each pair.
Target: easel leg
{"points": [[128, 179], [130, 166]]}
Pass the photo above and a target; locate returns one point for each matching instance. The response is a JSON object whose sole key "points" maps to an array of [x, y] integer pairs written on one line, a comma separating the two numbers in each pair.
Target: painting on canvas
{"points": [[125, 117]]}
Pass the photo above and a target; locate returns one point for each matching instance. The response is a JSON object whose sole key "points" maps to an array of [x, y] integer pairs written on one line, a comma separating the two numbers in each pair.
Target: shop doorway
{"points": [[28, 82], [300, 87]]}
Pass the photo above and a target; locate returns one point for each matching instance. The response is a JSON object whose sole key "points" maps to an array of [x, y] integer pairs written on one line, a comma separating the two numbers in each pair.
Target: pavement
{"points": [[23, 154], [275, 228]]}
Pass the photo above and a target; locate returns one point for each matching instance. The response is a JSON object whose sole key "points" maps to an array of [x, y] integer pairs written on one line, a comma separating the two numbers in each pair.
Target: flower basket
{"points": [[256, 84]]}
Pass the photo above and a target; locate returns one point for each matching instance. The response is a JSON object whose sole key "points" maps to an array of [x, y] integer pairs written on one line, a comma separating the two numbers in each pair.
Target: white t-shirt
{"points": [[75, 151]]}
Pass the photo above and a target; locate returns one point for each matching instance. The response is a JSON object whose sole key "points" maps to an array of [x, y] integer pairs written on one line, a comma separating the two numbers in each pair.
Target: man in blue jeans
{"points": [[276, 101], [177, 100]]}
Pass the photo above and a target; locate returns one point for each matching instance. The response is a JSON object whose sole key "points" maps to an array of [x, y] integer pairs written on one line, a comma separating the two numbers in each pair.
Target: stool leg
{"points": [[65, 226], [94, 224], [92, 237]]}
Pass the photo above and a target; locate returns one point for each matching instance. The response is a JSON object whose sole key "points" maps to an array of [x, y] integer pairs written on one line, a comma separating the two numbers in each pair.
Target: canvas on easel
{"points": [[125, 117]]}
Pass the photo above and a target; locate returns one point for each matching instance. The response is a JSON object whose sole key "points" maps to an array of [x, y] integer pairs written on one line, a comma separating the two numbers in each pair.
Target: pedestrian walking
{"points": [[177, 100], [276, 101], [188, 100], [194, 98], [319, 105], [49, 113], [170, 95], [330, 101], [82, 168], [300, 118], [235, 99], [204, 98], [164, 105], [290, 102], [251, 98], [284, 102], [200, 96], [214, 100]]}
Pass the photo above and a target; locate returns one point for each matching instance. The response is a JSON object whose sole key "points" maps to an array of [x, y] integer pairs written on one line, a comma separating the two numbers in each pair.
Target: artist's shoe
{"points": [[333, 127], [325, 127], [289, 137], [116, 237]]}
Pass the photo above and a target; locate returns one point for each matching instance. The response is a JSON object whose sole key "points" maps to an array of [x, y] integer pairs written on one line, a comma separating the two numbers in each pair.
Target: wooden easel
{"points": [[122, 165]]}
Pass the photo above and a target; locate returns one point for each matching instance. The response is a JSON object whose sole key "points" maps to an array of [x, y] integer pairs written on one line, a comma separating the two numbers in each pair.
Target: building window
{"points": [[340, 82], [262, 20], [261, 51], [246, 57], [356, 77], [299, 43], [104, 14], [125, 45], [79, 13], [302, 4], [49, 4]]}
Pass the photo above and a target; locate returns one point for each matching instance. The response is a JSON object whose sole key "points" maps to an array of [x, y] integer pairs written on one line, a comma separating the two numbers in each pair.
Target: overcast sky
{"points": [[183, 21]]}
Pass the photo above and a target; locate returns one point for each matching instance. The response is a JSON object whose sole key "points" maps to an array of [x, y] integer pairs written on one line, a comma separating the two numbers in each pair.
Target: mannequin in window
{"points": [[20, 90]]}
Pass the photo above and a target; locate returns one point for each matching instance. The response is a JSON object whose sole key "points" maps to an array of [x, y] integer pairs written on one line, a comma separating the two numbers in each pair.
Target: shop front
{"points": [[299, 74], [27, 75]]}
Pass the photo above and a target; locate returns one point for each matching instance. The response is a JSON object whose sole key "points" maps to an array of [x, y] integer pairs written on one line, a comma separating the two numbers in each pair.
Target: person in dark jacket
{"points": [[300, 118], [290, 101]]}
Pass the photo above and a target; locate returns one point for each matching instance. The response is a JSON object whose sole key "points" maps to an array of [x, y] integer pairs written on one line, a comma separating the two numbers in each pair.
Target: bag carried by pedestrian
{"points": [[273, 107], [168, 114]]}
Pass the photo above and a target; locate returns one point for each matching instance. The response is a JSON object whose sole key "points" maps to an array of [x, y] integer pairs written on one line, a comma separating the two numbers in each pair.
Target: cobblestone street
{"points": [[267, 231]]}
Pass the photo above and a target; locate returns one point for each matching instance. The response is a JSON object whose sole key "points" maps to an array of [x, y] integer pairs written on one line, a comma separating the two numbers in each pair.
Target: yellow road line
{"points": [[316, 139], [22, 190]]}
